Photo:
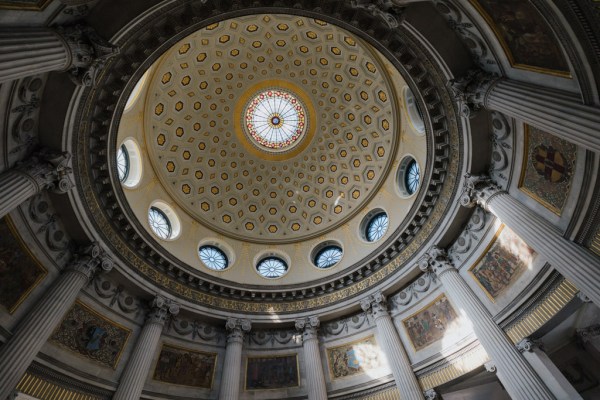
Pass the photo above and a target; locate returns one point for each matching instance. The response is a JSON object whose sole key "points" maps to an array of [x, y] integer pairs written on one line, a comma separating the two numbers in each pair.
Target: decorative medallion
{"points": [[275, 119]]}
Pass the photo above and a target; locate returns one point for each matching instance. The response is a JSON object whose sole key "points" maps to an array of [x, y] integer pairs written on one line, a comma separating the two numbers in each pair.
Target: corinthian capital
{"points": [[376, 303], [471, 90], [478, 190], [236, 328], [89, 52], [49, 170], [161, 309], [308, 327], [91, 260], [435, 260]]}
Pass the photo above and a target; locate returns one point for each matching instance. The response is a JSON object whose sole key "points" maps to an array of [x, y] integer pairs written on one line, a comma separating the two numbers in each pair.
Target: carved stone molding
{"points": [[49, 170], [490, 367], [90, 260], [419, 287], [376, 303], [470, 236], [430, 394], [588, 333], [528, 345]]}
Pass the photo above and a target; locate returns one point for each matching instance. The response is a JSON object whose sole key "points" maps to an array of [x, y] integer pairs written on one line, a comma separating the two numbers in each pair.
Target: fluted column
{"points": [[390, 343], [35, 328], [517, 376], [40, 172], [230, 381], [134, 377], [574, 262], [542, 364], [315, 378], [554, 111], [30, 51]]}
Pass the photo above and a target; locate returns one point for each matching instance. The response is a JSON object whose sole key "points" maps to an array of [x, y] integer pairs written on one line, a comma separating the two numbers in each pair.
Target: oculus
{"points": [[122, 163], [275, 119], [272, 267], [376, 227], [159, 222], [328, 256], [213, 257]]}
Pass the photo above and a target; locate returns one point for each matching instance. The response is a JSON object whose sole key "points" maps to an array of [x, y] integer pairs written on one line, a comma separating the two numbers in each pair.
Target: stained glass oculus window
{"points": [[328, 256], [213, 257], [159, 223], [275, 119], [272, 267], [377, 227], [122, 163], [412, 177]]}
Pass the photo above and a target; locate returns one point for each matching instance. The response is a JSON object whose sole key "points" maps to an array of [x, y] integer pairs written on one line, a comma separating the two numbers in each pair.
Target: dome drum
{"points": [[400, 240]]}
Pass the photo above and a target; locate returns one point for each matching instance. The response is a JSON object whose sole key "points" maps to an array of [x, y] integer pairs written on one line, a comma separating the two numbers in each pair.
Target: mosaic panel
{"points": [[548, 168], [504, 261], [19, 272], [91, 335], [185, 367], [525, 35], [278, 372], [354, 358], [431, 323]]}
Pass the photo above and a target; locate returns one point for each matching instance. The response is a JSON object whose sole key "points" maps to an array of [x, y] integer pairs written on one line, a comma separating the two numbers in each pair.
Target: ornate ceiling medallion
{"points": [[275, 120]]}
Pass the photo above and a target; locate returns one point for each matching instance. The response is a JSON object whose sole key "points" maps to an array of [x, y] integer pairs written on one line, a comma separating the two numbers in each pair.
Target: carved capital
{"points": [[49, 170], [436, 260], [430, 394], [89, 52], [236, 329], [91, 260], [376, 303], [528, 345], [478, 190], [161, 309], [490, 367], [308, 327], [471, 90]]}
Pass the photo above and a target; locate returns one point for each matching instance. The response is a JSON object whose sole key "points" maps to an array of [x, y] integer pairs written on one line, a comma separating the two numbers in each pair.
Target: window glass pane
{"points": [[377, 227], [213, 257], [272, 267]]}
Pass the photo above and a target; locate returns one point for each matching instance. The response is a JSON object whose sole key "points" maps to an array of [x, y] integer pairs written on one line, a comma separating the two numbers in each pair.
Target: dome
{"points": [[296, 199]]}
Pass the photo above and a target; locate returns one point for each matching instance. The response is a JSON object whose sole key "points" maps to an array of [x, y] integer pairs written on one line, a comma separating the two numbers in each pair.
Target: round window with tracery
{"points": [[275, 119]]}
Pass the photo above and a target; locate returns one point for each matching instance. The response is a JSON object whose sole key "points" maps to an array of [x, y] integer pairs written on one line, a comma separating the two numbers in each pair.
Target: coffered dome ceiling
{"points": [[203, 145]]}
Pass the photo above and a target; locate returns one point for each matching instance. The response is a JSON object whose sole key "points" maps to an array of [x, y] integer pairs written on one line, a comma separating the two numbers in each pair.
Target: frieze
{"points": [[131, 242], [273, 338], [420, 287], [350, 324], [115, 297], [470, 236], [502, 139], [196, 330], [470, 34]]}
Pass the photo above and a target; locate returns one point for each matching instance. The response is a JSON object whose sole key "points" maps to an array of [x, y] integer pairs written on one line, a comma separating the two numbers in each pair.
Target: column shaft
{"points": [[30, 51], [230, 382], [134, 377], [36, 327], [557, 112], [398, 360], [574, 262], [15, 188], [517, 376], [315, 378]]}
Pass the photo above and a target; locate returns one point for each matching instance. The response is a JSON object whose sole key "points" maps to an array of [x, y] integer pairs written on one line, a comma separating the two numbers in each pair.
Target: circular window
{"points": [[159, 222], [415, 115], [213, 257], [328, 256], [137, 90], [275, 119], [409, 176], [272, 267], [122, 163], [376, 227], [129, 163]]}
